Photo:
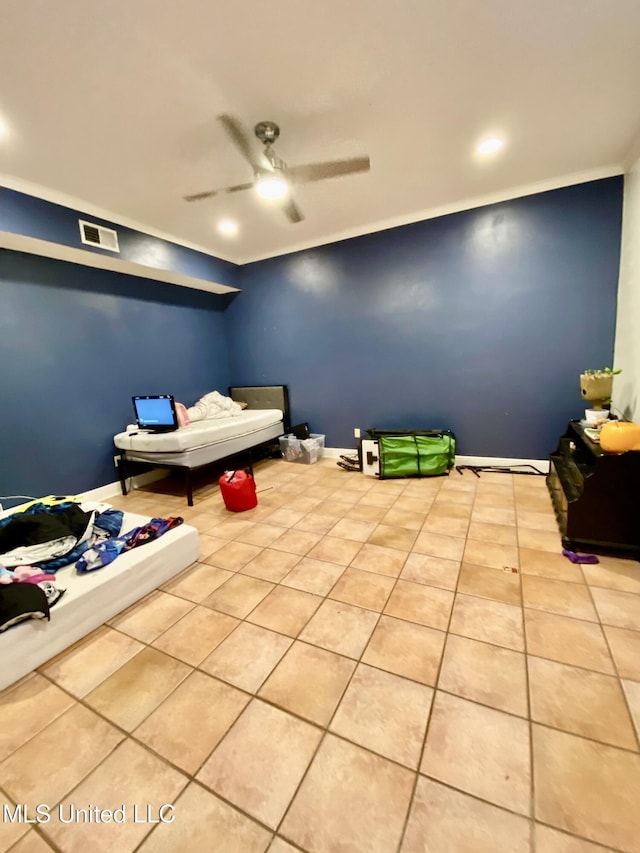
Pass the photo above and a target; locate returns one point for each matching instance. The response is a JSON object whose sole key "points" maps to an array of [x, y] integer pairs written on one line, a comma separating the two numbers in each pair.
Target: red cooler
{"points": [[238, 490]]}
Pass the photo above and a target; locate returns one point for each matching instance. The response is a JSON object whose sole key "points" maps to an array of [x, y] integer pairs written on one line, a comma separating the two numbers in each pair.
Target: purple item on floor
{"points": [[580, 558]]}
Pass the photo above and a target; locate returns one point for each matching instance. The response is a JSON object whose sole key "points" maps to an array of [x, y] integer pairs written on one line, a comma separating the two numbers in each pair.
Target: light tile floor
{"points": [[348, 668]]}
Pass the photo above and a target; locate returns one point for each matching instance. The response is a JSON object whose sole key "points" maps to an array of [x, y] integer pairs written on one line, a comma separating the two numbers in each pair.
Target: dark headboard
{"points": [[263, 397]]}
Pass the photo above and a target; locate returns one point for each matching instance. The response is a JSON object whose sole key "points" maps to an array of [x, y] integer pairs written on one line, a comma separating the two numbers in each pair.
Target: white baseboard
{"points": [[112, 489], [493, 461], [101, 493], [337, 452], [503, 462]]}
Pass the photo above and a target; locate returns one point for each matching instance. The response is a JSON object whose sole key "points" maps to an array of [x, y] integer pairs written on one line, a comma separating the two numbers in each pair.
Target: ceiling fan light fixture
{"points": [[271, 187], [272, 178]]}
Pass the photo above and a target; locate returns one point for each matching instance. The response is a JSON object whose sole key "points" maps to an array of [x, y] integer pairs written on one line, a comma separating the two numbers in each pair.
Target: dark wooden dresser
{"points": [[596, 495]]}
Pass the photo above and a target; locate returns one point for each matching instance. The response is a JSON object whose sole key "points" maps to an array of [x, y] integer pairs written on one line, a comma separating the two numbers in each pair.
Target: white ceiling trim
{"points": [[457, 207], [65, 200], [633, 153], [453, 74], [82, 206]]}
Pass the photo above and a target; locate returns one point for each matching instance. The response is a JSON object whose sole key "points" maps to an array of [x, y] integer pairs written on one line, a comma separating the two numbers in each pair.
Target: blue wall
{"points": [[478, 321], [34, 217], [75, 345]]}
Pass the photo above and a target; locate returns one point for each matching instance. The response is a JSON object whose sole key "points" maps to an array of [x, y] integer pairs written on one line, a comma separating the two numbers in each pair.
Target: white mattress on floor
{"points": [[200, 433], [91, 599]]}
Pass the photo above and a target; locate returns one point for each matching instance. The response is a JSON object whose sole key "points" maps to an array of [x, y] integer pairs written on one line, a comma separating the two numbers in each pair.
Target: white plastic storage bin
{"points": [[305, 450], [312, 448]]}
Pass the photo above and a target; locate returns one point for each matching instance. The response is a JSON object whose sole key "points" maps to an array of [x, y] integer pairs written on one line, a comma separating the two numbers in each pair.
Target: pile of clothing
{"points": [[54, 532], [214, 405]]}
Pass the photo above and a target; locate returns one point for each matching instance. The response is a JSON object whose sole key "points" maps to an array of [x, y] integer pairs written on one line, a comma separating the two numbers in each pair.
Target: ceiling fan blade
{"points": [[200, 196], [211, 193], [334, 169], [292, 211], [238, 187], [236, 133]]}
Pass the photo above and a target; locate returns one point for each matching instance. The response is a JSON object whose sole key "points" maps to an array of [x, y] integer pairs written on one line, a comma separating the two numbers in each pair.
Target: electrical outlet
{"points": [[356, 432]]}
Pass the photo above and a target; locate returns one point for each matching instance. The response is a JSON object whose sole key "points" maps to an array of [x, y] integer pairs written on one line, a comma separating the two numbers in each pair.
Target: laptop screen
{"points": [[156, 413]]}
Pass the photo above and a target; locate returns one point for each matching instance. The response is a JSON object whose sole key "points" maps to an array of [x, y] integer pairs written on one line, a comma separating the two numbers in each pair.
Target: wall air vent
{"points": [[97, 235]]}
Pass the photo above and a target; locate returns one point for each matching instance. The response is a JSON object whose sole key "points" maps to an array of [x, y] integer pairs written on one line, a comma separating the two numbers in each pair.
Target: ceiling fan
{"points": [[272, 177]]}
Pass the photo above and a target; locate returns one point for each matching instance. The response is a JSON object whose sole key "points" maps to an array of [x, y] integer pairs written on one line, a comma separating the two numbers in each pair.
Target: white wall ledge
{"points": [[46, 249]]}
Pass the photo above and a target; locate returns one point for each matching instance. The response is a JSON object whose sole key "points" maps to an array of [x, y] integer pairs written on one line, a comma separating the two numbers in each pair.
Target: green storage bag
{"points": [[414, 455]]}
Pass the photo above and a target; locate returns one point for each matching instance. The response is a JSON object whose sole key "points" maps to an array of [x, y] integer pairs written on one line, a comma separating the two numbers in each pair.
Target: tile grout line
{"points": [[532, 790], [197, 668], [446, 632], [391, 591], [634, 726], [190, 777], [422, 583], [75, 785], [430, 715], [335, 710], [565, 832], [325, 597], [255, 696]]}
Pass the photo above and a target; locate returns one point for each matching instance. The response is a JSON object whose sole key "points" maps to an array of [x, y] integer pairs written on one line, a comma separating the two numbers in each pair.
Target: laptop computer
{"points": [[155, 412]]}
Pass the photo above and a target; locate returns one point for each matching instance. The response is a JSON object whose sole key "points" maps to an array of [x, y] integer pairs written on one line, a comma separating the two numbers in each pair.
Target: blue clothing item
{"points": [[100, 555], [106, 552], [110, 521], [150, 531], [50, 567], [8, 572]]}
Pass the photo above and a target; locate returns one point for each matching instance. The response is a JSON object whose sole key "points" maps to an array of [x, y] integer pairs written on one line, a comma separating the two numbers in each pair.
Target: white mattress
{"points": [[200, 433], [91, 599]]}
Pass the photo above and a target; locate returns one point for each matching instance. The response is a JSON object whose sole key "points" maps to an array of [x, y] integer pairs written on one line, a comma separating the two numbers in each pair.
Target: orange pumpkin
{"points": [[620, 436]]}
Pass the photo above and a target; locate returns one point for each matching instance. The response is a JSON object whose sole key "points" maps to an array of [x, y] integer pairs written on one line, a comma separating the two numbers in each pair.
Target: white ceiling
{"points": [[114, 104]]}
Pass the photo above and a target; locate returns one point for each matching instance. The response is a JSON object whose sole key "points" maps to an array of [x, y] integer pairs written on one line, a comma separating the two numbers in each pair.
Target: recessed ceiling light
{"points": [[228, 227], [271, 186], [4, 130], [490, 145]]}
